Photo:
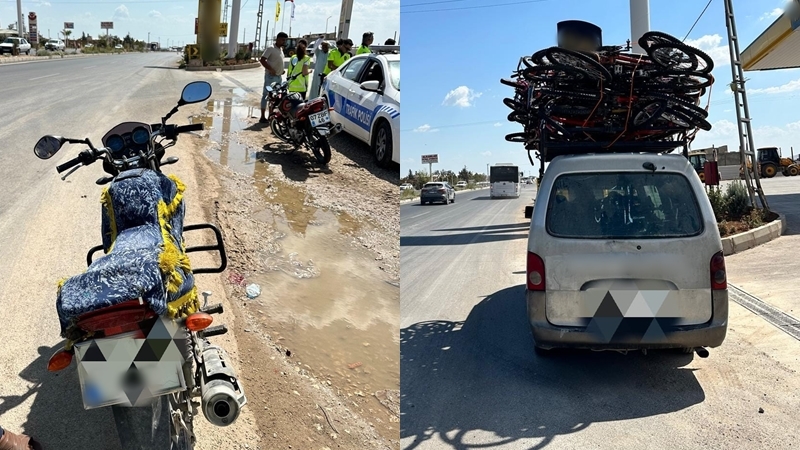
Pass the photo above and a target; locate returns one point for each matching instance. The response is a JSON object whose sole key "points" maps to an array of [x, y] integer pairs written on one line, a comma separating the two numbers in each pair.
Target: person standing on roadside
{"points": [[366, 41], [272, 60], [299, 68], [339, 55], [321, 49]]}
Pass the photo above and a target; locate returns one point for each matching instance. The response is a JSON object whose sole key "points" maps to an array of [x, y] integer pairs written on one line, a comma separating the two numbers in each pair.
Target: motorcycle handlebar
{"points": [[188, 128], [69, 164]]}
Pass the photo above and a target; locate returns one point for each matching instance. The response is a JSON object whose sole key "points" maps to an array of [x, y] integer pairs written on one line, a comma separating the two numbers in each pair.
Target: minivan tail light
{"points": [[535, 272], [719, 277]]}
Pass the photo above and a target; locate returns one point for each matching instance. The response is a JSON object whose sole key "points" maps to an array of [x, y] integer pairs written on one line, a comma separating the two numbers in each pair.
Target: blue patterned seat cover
{"points": [[131, 267]]}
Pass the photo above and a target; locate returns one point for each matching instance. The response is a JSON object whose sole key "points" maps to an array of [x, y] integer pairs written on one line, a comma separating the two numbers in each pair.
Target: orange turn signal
{"points": [[59, 361], [198, 321]]}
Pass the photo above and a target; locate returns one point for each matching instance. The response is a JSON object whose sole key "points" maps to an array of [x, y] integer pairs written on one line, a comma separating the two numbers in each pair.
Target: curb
{"points": [[757, 236], [221, 68], [416, 199], [49, 57]]}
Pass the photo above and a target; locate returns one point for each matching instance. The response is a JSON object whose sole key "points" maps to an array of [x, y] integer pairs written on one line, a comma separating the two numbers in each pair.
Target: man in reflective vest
{"points": [[339, 55], [366, 41], [299, 68], [321, 49]]}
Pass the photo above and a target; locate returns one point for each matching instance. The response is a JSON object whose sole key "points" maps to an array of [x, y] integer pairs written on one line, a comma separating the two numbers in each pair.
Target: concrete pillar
{"points": [[640, 22], [344, 21], [233, 29]]}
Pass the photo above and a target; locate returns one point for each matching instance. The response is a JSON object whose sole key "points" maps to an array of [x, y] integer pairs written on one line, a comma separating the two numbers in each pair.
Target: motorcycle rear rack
{"points": [[219, 247]]}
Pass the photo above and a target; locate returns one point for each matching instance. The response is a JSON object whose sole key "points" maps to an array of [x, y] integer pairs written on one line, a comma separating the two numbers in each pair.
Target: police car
{"points": [[364, 96]]}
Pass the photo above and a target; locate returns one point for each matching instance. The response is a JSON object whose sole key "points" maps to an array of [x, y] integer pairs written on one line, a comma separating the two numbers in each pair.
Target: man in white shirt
{"points": [[272, 60], [321, 48]]}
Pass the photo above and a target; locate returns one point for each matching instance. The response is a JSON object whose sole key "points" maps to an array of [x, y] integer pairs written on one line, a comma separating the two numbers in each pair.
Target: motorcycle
{"points": [[301, 123], [133, 320]]}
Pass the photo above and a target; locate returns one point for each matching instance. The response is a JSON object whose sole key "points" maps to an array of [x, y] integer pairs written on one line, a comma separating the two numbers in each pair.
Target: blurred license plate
{"points": [[116, 371], [320, 118]]}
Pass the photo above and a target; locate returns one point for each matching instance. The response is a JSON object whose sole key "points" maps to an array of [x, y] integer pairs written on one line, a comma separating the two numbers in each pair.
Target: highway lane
{"points": [[470, 378], [47, 225]]}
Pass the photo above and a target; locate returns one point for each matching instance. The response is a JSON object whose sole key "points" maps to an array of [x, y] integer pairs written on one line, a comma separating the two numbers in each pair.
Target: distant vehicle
{"points": [[437, 191], [406, 186], [8, 45], [626, 238], [55, 44], [504, 181], [364, 96], [89, 45], [461, 184], [118, 47]]}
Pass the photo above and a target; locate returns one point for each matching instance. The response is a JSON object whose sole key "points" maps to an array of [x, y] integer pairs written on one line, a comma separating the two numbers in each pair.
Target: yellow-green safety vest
{"points": [[363, 49], [299, 83], [337, 58]]}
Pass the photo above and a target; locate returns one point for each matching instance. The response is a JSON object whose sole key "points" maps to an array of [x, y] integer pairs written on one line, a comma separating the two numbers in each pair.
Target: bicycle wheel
{"points": [[648, 114], [513, 104], [681, 119], [681, 57], [657, 37], [538, 59], [688, 107], [517, 84], [579, 60], [518, 137], [555, 72]]}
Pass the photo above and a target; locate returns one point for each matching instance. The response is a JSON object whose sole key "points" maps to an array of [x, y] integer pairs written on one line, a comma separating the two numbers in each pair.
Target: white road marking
{"points": [[46, 76]]}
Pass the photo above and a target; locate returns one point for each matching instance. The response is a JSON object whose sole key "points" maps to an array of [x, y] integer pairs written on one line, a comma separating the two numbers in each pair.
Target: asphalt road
{"points": [[470, 378], [46, 227]]}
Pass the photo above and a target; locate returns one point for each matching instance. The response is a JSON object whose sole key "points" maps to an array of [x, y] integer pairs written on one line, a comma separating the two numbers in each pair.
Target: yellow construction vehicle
{"points": [[770, 163]]}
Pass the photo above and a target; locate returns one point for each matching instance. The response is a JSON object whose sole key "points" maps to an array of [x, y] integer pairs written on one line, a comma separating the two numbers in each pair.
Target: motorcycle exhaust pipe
{"points": [[222, 394], [325, 131]]}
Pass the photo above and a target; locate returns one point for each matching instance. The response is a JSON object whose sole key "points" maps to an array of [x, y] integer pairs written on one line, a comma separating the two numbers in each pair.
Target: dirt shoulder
{"points": [[299, 400]]}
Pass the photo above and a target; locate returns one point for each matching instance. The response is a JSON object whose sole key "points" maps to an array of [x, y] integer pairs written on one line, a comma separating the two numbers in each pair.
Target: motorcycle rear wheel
{"points": [[144, 428], [279, 129], [320, 147]]}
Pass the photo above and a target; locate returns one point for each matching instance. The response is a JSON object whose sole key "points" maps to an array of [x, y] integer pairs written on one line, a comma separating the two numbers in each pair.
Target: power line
{"points": [[472, 7], [432, 3], [698, 20], [458, 125]]}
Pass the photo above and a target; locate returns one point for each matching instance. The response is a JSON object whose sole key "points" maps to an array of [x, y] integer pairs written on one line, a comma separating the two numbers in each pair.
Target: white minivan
{"points": [[624, 253]]}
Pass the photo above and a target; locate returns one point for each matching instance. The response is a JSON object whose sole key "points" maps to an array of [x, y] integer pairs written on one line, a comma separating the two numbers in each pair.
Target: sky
{"points": [[457, 51], [173, 20]]}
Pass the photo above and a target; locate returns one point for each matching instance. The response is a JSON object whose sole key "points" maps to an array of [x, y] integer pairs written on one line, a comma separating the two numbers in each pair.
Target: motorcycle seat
{"points": [[132, 267]]}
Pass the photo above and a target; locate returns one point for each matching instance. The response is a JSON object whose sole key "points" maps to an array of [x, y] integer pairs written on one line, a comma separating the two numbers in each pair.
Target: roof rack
{"points": [[383, 49]]}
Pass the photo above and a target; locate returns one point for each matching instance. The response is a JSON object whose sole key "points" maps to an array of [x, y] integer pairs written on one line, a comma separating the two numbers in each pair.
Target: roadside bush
{"points": [[737, 201], [718, 203], [408, 194], [755, 218], [43, 52]]}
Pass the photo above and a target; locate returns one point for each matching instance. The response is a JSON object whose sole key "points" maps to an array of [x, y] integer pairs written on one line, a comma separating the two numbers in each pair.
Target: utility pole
{"points": [[640, 22], [257, 44], [148, 41], [233, 28], [20, 23]]}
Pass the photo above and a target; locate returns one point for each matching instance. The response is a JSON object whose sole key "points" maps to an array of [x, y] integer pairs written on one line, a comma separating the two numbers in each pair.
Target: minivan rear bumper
{"points": [[547, 335]]}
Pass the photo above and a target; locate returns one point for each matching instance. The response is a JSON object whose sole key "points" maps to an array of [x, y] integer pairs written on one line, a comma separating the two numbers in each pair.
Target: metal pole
{"points": [[283, 13], [233, 32], [20, 23], [326, 26], [640, 22]]}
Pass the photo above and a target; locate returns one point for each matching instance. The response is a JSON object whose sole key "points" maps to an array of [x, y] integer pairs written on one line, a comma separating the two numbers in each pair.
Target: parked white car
{"points": [[8, 45], [461, 184], [55, 44], [364, 94], [406, 186]]}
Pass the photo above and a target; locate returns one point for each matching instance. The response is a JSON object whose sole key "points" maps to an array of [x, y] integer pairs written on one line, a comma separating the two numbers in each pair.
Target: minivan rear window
{"points": [[624, 205]]}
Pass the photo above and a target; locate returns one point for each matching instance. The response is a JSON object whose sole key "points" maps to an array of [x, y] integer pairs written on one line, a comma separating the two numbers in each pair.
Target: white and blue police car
{"points": [[364, 96]]}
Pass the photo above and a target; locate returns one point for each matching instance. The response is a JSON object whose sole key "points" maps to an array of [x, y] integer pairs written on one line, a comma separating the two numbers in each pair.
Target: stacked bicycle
{"points": [[573, 102]]}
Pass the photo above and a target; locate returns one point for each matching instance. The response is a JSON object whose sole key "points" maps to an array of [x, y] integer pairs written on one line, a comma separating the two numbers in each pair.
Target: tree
{"points": [[464, 174]]}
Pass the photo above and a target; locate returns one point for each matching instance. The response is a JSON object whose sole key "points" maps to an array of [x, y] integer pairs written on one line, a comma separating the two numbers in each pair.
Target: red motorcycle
{"points": [[301, 123]]}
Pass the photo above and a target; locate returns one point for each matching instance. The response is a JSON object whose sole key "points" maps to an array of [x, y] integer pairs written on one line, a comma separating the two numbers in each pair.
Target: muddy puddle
{"points": [[323, 297]]}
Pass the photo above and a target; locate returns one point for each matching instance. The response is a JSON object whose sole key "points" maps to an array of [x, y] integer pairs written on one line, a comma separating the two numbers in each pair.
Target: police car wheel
{"points": [[382, 144]]}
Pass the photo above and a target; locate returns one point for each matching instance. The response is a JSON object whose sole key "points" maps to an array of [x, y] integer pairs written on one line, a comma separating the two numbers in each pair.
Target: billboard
{"points": [[33, 37], [107, 25], [430, 159], [69, 25]]}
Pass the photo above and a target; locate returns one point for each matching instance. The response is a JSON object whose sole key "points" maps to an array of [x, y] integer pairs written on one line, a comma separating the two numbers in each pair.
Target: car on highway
{"points": [[118, 47], [406, 186], [364, 94], [437, 191], [55, 45], [624, 253], [461, 184], [8, 45]]}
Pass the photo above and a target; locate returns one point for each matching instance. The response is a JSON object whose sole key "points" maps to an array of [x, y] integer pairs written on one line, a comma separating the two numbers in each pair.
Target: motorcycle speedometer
{"points": [[140, 136], [115, 143]]}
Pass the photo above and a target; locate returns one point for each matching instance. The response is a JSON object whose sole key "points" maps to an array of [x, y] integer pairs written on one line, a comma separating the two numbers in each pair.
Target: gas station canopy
{"points": [[778, 47]]}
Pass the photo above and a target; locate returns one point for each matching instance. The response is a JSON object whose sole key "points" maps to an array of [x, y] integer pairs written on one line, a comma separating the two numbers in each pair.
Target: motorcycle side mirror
{"points": [[269, 89], [48, 146], [195, 92]]}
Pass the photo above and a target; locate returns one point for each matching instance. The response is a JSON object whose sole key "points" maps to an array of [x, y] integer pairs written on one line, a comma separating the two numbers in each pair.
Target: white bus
{"points": [[504, 181]]}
